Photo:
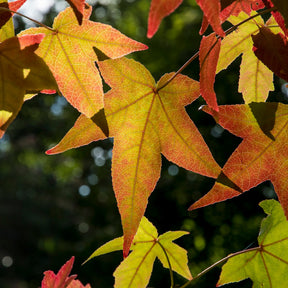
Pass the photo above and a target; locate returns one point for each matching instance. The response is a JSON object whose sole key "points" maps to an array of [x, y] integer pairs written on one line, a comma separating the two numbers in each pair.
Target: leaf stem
{"points": [[22, 15], [227, 32], [169, 263], [218, 263]]}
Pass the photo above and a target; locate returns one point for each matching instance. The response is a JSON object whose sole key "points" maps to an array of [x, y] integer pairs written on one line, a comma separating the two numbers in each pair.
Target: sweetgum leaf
{"points": [[78, 7], [261, 156], [266, 265], [208, 57], [21, 70], [144, 123], [211, 10], [271, 49], [255, 80], [135, 270], [158, 10], [69, 51]]}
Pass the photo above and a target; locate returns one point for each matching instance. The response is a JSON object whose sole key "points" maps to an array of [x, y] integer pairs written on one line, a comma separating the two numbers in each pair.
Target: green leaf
{"points": [[266, 265], [136, 269], [111, 246]]}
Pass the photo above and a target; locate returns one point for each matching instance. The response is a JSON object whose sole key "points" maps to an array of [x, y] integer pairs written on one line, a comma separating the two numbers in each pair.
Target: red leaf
{"points": [[271, 49], [62, 279], [235, 7], [158, 10], [208, 56], [211, 10], [78, 7], [261, 156]]}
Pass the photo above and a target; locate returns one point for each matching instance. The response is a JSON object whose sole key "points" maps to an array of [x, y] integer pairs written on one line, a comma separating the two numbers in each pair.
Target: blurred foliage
{"points": [[52, 207]]}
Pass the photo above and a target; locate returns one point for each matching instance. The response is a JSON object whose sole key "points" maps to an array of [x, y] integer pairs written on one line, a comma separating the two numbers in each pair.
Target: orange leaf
{"points": [[78, 8], [144, 123], [21, 70], [208, 56], [211, 10], [271, 49], [70, 51], [158, 10], [15, 5], [261, 156]]}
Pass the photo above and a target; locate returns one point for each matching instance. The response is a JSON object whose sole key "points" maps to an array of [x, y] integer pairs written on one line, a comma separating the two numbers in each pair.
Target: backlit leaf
{"points": [[208, 57], [271, 49], [70, 50], [261, 156], [255, 80], [211, 10], [158, 10], [266, 265], [135, 270], [154, 122], [234, 7], [21, 70]]}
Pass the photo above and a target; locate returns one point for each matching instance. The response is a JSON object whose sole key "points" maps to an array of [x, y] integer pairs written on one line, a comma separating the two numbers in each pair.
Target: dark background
{"points": [[53, 207]]}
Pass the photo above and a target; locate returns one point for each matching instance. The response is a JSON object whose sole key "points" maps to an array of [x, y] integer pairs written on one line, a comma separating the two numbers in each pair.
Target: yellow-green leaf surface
{"points": [[21, 70], [144, 124], [266, 265], [256, 80], [70, 49], [135, 270]]}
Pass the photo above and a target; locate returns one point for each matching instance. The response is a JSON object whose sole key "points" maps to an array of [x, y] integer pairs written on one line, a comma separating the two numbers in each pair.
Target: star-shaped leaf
{"points": [[144, 123], [255, 80], [158, 10], [266, 265], [70, 49], [261, 156], [21, 70], [135, 270]]}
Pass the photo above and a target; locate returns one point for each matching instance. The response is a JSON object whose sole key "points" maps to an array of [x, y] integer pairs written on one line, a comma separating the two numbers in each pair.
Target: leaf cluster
{"points": [[147, 118]]}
